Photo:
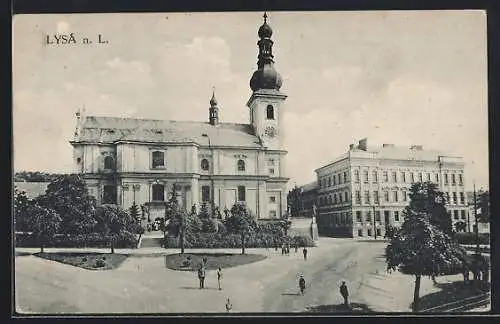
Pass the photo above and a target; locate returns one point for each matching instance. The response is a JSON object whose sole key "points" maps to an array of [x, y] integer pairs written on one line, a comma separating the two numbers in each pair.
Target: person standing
{"points": [[296, 248], [201, 276], [345, 293], [304, 251], [302, 284], [229, 306], [219, 277]]}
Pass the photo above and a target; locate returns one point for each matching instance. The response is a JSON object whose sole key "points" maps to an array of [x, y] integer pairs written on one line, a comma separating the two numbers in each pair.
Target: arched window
{"points": [[109, 163], [158, 192], [204, 165], [109, 195], [270, 112], [241, 165], [158, 159]]}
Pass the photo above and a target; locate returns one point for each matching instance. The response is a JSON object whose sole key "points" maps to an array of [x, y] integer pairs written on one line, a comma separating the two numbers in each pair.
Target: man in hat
{"points": [[345, 293], [302, 284]]}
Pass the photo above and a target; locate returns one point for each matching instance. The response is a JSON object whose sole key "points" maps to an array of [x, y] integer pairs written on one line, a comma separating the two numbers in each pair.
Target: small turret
{"points": [[213, 111]]}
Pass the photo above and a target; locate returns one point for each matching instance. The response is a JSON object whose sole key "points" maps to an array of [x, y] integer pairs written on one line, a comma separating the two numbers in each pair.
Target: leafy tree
{"points": [[114, 222], [22, 205], [67, 195], [426, 198], [421, 248], [483, 201], [390, 231], [294, 199], [134, 212], [460, 226], [285, 224], [241, 222], [35, 176], [45, 223], [177, 219]]}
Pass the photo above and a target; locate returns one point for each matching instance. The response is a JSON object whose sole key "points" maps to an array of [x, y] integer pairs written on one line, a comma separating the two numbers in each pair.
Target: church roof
{"points": [[98, 129]]}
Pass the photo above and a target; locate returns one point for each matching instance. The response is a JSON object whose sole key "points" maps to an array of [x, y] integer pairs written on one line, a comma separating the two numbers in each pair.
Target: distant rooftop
{"points": [[310, 186]]}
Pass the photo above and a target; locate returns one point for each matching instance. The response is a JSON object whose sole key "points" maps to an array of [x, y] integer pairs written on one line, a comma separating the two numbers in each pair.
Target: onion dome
{"points": [[266, 78]]}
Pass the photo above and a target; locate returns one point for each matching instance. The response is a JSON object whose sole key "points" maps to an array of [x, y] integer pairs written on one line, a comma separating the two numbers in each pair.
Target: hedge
{"points": [[231, 241], [94, 240], [470, 238]]}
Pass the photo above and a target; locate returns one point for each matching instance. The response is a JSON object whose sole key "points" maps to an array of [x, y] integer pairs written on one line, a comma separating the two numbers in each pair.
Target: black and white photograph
{"points": [[251, 162]]}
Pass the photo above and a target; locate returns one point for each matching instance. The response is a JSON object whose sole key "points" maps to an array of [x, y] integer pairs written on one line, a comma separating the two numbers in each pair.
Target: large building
{"points": [[127, 160], [365, 189]]}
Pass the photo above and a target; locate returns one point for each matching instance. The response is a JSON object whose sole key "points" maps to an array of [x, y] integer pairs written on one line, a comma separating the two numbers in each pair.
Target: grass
{"points": [[89, 261], [214, 260]]}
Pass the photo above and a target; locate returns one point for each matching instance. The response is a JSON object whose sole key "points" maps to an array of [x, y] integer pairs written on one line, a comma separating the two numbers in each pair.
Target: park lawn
{"points": [[87, 261], [214, 260]]}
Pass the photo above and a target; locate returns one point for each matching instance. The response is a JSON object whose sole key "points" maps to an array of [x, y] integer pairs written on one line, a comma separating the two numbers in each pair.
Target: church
{"points": [[127, 160]]}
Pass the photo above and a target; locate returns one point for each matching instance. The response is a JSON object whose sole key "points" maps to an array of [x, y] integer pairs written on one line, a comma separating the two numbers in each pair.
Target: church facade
{"points": [[127, 160]]}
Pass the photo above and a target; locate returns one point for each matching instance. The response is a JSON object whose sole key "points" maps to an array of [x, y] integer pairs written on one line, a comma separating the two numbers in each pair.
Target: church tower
{"points": [[266, 102], [213, 111]]}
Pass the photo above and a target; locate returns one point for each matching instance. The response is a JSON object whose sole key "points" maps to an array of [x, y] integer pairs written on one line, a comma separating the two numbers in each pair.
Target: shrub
{"points": [[470, 238], [84, 259], [100, 263], [303, 241], [97, 240]]}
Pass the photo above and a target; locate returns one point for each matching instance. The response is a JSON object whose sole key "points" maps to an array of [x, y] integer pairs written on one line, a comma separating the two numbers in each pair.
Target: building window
{"points": [[446, 178], [453, 179], [403, 176], [462, 198], [329, 181], [358, 197], [367, 197], [448, 198], [386, 196], [412, 177], [346, 197], [386, 176], [359, 217], [158, 192], [356, 176], [378, 232], [204, 165], [109, 163], [396, 216], [421, 177], [334, 179], [270, 112], [368, 216], [330, 200], [205, 193], [369, 232], [271, 161], [241, 193], [394, 176], [345, 177], [377, 216], [396, 196], [109, 194], [374, 177], [405, 196], [360, 232], [428, 177], [454, 198], [272, 214], [241, 165], [271, 171], [158, 159], [460, 180], [78, 160], [463, 214], [340, 198], [455, 214], [272, 199], [335, 198], [375, 197], [437, 177], [365, 176]]}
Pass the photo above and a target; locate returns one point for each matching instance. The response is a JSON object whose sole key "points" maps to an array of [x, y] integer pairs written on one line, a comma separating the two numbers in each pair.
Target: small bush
{"points": [[96, 240], [470, 238], [100, 263]]}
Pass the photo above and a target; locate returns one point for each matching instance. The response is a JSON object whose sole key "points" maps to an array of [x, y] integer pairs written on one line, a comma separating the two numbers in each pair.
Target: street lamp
{"points": [[476, 220], [212, 193]]}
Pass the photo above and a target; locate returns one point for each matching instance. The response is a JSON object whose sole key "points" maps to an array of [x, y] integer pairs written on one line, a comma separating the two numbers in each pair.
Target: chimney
{"points": [[362, 144], [351, 146]]}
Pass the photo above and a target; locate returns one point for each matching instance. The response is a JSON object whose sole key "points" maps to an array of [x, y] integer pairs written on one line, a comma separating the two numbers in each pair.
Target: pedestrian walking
{"points": [[283, 251], [296, 248], [266, 245], [219, 277], [466, 273], [345, 293], [275, 246], [201, 276], [302, 284], [229, 306], [287, 249], [304, 251]]}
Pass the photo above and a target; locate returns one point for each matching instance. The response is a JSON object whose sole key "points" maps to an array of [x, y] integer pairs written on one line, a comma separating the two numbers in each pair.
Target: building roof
{"points": [[113, 129], [310, 186], [32, 189]]}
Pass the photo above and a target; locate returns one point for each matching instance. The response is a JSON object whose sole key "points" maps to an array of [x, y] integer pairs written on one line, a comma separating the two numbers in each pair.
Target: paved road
{"points": [[143, 285]]}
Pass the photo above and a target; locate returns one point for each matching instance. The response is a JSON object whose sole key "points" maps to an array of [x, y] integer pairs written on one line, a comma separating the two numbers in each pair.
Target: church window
{"points": [[241, 165], [78, 160], [158, 159], [270, 112], [205, 193], [204, 165], [158, 192], [241, 193], [109, 194], [109, 163]]}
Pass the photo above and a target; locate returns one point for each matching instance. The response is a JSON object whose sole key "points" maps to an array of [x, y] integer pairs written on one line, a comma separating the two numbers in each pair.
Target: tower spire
{"points": [[213, 111], [265, 17]]}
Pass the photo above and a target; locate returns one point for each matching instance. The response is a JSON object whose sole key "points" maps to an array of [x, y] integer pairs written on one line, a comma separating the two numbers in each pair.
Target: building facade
{"points": [[308, 198], [364, 190], [127, 160]]}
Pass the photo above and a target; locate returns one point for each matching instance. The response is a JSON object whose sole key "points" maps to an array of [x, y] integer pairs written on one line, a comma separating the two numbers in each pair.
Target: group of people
{"points": [[344, 292], [202, 274]]}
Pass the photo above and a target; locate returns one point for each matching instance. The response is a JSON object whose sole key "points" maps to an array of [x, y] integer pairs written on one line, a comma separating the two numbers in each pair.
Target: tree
{"points": [[45, 223], [67, 195], [483, 201], [421, 248], [285, 224], [134, 212], [426, 198], [22, 205], [294, 199], [177, 219], [241, 222], [114, 222], [460, 227]]}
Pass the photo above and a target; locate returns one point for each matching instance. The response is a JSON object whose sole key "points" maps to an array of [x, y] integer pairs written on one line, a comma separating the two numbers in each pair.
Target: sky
{"points": [[400, 77]]}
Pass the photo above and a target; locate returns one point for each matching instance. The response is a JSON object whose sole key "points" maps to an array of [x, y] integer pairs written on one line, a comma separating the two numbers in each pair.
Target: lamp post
{"points": [[212, 193], [476, 221]]}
